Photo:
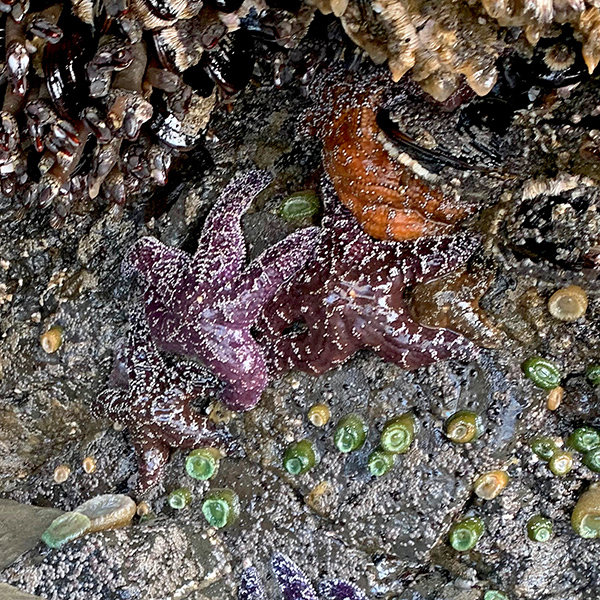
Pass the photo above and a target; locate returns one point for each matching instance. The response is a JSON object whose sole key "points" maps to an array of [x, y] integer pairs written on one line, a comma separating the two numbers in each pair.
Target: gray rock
{"points": [[8, 592], [21, 527]]}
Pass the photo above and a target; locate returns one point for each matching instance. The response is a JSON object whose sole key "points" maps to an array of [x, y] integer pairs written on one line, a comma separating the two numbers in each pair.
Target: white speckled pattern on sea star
{"points": [[153, 401], [350, 296], [294, 585], [203, 306]]}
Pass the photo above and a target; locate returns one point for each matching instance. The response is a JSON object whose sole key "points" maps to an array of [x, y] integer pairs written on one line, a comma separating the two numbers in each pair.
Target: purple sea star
{"points": [[153, 401], [294, 585], [350, 296], [203, 306]]}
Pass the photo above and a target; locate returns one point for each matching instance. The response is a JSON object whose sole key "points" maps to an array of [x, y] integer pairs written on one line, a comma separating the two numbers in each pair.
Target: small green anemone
{"points": [[584, 439], [202, 463], [221, 507], [300, 457], [299, 206], [465, 534], [65, 528], [464, 426], [544, 447], [398, 434], [585, 518], [380, 462], [591, 460], [539, 529], [180, 498], [350, 433], [544, 373]]}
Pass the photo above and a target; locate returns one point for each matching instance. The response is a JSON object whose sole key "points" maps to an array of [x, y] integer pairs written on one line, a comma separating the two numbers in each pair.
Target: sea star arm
{"points": [[246, 375], [335, 589], [428, 258], [291, 580], [111, 402], [160, 265], [412, 346], [152, 455], [259, 282], [250, 586], [221, 248], [178, 425], [197, 375]]}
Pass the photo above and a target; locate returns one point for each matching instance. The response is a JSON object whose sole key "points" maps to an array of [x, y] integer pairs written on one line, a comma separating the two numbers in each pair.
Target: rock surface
{"points": [[21, 526], [387, 535]]}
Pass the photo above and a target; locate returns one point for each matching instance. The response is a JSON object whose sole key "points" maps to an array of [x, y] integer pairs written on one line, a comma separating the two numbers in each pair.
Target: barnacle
{"points": [[61, 473], [441, 42], [113, 95], [437, 41]]}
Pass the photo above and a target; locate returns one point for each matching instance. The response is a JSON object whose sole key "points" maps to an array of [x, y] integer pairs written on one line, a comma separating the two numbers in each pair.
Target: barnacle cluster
{"points": [[442, 41], [101, 99]]}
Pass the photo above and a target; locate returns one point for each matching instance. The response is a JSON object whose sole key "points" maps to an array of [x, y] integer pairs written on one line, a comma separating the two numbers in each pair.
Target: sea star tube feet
{"points": [[204, 305]]}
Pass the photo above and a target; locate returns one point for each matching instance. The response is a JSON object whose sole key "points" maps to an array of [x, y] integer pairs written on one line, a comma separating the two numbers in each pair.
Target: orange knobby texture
{"points": [[389, 200]]}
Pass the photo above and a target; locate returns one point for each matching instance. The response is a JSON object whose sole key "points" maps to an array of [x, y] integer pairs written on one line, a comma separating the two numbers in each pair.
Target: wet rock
{"points": [[8, 592], [156, 560], [21, 527]]}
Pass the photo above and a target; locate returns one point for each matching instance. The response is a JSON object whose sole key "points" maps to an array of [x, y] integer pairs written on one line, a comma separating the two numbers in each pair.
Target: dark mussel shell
{"points": [[199, 80], [170, 131], [433, 159], [231, 63], [539, 237], [64, 67]]}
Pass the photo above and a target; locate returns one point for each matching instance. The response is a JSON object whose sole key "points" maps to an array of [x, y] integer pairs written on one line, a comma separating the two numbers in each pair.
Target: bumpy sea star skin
{"points": [[294, 585], [250, 586], [153, 401], [203, 306], [388, 198], [350, 296]]}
